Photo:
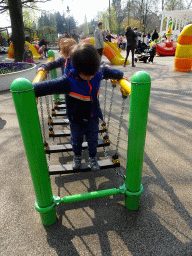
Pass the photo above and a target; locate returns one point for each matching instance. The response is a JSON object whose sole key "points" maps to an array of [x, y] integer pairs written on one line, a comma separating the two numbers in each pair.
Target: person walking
{"points": [[99, 42], [131, 44]]}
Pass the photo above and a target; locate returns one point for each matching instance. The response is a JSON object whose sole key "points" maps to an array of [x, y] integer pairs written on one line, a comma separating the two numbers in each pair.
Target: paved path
{"points": [[163, 223]]}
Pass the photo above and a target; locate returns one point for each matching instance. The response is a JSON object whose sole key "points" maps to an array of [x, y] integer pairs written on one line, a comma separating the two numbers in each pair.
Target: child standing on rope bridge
{"points": [[81, 84]]}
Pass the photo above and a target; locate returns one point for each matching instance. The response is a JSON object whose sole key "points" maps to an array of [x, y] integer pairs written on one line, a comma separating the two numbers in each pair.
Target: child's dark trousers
{"points": [[91, 133]]}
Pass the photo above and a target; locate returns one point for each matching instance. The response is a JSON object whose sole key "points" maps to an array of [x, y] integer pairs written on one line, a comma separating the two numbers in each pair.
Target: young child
{"points": [[65, 48], [152, 53], [81, 84], [28, 55]]}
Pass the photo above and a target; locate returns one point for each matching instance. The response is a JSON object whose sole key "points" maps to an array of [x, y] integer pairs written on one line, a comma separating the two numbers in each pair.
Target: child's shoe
{"points": [[94, 164], [76, 162]]}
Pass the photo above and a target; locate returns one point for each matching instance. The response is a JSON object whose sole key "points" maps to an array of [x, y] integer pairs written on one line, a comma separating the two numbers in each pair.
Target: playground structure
{"points": [[167, 48], [26, 108], [31, 47], [183, 55], [110, 51]]}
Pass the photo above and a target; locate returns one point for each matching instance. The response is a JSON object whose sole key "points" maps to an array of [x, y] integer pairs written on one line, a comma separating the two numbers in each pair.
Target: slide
{"points": [[115, 49], [36, 55], [109, 51], [31, 47]]}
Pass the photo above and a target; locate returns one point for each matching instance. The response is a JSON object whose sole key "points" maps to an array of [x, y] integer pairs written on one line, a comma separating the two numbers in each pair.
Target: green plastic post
{"points": [[53, 73], [138, 113], [26, 108]]}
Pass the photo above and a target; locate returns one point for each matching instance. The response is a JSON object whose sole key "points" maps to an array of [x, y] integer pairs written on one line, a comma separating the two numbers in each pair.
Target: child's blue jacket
{"points": [[81, 95]]}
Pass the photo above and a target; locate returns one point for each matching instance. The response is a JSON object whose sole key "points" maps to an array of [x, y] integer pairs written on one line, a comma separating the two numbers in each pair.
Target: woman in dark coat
{"points": [[155, 35], [131, 44]]}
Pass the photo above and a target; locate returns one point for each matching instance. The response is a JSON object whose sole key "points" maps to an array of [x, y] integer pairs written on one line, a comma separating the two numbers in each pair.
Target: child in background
{"points": [[120, 41], [81, 84], [41, 51], [152, 53], [28, 55], [65, 47]]}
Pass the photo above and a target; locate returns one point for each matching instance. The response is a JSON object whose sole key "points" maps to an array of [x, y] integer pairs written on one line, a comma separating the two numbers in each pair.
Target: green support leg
{"points": [[138, 113], [53, 74], [26, 108]]}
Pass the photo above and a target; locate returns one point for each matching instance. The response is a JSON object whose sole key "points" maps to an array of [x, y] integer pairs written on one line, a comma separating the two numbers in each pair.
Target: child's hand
{"points": [[124, 77], [40, 69]]}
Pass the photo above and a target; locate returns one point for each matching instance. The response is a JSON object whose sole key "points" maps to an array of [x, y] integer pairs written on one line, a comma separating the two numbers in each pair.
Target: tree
{"points": [[18, 36], [16, 17], [104, 18], [174, 5], [115, 26], [60, 23], [119, 14]]}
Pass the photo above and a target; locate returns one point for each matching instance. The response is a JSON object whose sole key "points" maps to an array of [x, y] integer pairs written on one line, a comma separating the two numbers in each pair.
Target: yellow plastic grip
{"points": [[125, 87]]}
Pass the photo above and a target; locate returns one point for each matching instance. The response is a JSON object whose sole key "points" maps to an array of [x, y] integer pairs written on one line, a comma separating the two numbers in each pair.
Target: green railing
{"points": [[26, 108]]}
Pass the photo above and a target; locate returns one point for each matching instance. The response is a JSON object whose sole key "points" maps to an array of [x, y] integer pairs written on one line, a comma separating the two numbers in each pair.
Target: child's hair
{"points": [[66, 45], [85, 58]]}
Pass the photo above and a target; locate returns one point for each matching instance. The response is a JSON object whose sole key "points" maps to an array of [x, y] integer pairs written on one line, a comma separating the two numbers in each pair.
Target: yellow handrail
{"points": [[41, 75]]}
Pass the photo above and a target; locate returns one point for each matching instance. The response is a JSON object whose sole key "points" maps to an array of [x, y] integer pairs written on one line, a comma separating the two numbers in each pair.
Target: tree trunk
{"points": [[18, 35]]}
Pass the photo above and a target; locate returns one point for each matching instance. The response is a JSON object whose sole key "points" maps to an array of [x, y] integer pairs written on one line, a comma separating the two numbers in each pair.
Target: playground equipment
{"points": [[26, 108], [167, 48], [183, 55], [110, 51], [31, 47]]}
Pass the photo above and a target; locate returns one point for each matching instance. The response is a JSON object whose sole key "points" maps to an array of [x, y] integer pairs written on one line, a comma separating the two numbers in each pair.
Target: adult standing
{"points": [[99, 43], [155, 35], [131, 44]]}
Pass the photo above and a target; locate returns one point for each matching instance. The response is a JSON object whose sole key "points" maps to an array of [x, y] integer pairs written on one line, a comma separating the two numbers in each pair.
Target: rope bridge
{"points": [[37, 146]]}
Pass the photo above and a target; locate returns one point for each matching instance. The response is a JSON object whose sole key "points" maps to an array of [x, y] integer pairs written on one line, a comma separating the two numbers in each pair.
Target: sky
{"points": [[78, 8]]}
